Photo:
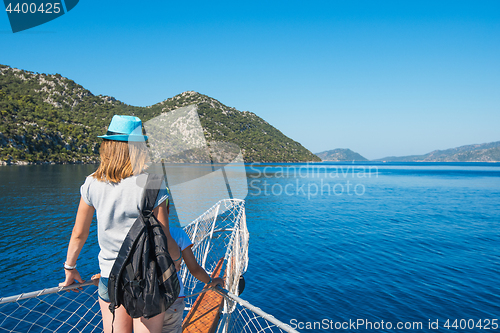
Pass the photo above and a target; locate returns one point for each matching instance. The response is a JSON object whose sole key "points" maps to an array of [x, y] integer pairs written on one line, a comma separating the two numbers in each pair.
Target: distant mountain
{"points": [[340, 154], [50, 118], [486, 152]]}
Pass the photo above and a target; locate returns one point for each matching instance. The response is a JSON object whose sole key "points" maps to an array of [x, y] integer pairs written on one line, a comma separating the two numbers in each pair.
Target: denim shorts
{"points": [[103, 289]]}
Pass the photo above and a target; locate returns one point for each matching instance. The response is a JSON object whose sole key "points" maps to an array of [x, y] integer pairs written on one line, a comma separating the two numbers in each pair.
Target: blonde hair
{"points": [[120, 159]]}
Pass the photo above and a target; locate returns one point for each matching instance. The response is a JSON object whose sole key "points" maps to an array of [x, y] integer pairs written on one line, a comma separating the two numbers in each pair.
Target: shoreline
{"points": [[359, 163], [19, 163]]}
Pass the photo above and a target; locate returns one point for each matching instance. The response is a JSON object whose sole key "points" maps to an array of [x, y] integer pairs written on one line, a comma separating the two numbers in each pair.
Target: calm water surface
{"points": [[335, 242]]}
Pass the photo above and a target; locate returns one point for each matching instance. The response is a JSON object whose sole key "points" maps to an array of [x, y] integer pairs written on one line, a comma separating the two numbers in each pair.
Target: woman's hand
{"points": [[215, 282], [71, 276], [95, 278]]}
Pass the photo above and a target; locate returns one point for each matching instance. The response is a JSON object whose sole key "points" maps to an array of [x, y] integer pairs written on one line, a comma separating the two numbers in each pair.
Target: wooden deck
{"points": [[204, 315]]}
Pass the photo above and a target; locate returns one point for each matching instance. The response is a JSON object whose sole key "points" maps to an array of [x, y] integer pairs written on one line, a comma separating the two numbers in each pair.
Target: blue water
{"points": [[329, 243]]}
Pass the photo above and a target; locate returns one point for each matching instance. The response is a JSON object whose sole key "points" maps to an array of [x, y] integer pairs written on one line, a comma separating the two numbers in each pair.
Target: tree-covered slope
{"points": [[49, 118], [258, 140], [340, 154]]}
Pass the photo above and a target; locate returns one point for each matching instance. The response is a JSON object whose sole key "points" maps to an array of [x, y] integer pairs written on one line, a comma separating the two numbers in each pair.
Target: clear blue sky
{"points": [[379, 77]]}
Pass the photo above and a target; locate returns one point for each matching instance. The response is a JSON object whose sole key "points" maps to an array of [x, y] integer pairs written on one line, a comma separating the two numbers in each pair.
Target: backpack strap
{"points": [[151, 191]]}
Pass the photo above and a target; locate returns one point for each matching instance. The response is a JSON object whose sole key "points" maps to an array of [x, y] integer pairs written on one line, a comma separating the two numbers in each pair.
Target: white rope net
{"points": [[224, 235], [58, 311], [244, 317], [220, 234]]}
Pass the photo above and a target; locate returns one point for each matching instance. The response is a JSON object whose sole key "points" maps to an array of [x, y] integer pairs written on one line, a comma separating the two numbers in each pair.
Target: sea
{"points": [[375, 247]]}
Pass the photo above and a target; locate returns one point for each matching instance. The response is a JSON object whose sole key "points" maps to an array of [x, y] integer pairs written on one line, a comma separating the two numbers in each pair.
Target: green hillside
{"points": [[340, 154], [50, 118], [258, 140]]}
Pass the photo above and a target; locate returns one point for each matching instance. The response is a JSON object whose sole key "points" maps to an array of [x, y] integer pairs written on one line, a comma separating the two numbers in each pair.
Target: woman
{"points": [[115, 192]]}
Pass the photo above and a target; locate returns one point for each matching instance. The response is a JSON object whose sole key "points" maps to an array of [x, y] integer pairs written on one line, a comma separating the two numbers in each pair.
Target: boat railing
{"points": [[220, 235]]}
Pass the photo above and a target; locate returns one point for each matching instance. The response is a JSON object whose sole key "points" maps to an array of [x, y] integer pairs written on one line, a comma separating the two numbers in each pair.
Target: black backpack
{"points": [[143, 278]]}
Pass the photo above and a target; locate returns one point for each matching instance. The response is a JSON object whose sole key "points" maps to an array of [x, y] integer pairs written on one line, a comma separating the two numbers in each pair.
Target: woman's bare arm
{"points": [[78, 239], [196, 270]]}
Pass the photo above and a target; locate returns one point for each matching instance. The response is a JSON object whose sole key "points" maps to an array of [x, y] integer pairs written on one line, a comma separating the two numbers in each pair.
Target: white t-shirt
{"points": [[117, 207], [182, 239]]}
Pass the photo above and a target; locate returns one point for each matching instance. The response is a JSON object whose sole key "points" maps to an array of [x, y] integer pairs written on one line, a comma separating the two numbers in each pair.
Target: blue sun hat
{"points": [[125, 128]]}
